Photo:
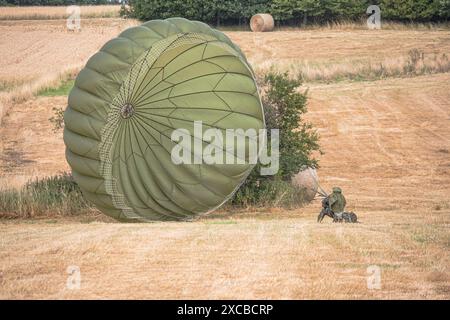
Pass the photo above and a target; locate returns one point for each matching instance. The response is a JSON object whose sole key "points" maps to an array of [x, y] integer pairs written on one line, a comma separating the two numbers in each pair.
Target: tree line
{"points": [[231, 12]]}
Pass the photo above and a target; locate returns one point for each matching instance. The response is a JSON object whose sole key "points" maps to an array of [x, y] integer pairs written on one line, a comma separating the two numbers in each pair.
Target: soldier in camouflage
{"points": [[333, 206], [337, 202]]}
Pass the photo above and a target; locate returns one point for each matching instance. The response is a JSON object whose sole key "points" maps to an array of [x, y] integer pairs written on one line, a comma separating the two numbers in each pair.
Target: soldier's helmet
{"points": [[337, 190]]}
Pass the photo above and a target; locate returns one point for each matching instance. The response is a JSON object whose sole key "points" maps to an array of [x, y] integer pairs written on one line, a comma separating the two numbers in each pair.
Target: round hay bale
{"points": [[307, 179], [153, 80], [262, 22]]}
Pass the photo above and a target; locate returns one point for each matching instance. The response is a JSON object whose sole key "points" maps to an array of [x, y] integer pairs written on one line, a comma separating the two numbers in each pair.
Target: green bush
{"points": [[62, 90], [284, 107]]}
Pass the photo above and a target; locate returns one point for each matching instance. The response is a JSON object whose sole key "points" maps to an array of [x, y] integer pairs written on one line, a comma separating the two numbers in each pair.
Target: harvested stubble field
{"points": [[386, 143], [38, 54]]}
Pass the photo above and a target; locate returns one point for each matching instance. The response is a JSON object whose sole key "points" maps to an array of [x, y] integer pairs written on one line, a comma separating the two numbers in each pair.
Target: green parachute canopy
{"points": [[162, 76]]}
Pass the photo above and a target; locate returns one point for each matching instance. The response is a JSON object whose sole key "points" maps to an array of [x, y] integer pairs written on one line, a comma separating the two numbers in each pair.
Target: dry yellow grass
{"points": [[362, 25], [359, 70], [275, 256], [32, 49], [37, 54], [337, 45], [27, 89], [29, 147], [386, 141], [57, 12], [338, 51]]}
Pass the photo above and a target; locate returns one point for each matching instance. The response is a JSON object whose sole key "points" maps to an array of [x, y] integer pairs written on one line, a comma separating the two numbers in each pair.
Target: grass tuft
{"points": [[57, 195], [415, 63], [62, 90]]}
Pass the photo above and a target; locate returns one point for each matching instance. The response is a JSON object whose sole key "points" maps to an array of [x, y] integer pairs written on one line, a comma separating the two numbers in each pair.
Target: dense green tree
{"points": [[313, 8], [317, 11], [444, 9], [414, 10]]}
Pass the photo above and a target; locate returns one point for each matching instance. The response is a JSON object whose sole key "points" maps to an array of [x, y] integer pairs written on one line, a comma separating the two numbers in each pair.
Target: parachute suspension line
{"points": [[321, 191]]}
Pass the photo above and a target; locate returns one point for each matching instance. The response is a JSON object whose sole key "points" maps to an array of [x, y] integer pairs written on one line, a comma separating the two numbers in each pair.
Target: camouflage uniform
{"points": [[337, 202]]}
